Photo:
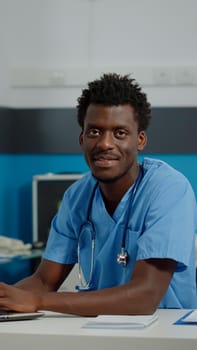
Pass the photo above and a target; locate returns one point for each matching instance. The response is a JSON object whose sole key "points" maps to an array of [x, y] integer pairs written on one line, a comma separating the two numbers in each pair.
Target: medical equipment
{"points": [[122, 257]]}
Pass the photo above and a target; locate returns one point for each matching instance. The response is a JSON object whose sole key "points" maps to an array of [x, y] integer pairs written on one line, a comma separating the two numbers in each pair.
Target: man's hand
{"points": [[17, 299]]}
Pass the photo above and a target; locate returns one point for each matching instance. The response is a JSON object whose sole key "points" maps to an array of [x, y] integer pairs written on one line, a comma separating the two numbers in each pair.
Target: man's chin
{"points": [[105, 179]]}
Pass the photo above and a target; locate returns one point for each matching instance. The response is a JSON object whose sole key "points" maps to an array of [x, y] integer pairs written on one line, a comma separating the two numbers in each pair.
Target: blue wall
{"points": [[16, 176]]}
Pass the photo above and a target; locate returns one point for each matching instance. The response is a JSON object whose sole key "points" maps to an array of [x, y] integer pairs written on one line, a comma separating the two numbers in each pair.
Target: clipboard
{"points": [[189, 319]]}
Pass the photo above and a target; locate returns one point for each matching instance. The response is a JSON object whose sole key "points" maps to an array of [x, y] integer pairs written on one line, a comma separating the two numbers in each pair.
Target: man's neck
{"points": [[113, 192]]}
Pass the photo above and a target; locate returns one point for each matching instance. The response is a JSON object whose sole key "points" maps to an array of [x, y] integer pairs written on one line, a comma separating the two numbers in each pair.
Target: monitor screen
{"points": [[48, 191]]}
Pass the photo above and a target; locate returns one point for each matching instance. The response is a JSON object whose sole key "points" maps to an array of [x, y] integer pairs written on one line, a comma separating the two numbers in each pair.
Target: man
{"points": [[130, 227]]}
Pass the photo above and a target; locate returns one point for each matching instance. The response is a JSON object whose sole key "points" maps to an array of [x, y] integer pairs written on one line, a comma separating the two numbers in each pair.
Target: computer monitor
{"points": [[47, 193]]}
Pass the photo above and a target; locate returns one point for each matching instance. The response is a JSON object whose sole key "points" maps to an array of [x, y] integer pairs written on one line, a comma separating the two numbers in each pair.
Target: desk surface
{"points": [[58, 331]]}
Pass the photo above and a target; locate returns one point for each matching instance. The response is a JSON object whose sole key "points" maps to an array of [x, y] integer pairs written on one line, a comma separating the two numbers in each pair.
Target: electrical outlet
{"points": [[185, 76], [57, 78], [162, 76]]}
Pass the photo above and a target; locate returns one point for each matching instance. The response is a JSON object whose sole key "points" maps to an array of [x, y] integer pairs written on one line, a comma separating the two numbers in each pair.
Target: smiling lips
{"points": [[105, 160]]}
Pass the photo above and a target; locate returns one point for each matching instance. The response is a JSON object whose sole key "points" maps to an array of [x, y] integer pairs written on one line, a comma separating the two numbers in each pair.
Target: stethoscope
{"points": [[122, 257]]}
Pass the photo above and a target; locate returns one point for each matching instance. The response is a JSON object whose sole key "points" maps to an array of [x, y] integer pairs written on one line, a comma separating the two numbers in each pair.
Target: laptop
{"points": [[9, 315]]}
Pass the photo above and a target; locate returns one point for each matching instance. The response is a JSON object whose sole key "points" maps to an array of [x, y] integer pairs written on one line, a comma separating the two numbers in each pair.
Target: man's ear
{"points": [[81, 139], [142, 140]]}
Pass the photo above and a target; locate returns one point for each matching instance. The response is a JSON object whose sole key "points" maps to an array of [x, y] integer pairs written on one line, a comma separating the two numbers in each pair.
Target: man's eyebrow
{"points": [[92, 125]]}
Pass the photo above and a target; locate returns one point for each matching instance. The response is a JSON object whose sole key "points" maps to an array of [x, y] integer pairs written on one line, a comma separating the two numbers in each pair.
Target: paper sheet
{"points": [[192, 317], [189, 318], [121, 322]]}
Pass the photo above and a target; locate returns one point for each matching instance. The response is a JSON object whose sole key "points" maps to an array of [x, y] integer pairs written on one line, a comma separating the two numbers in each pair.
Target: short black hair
{"points": [[112, 90]]}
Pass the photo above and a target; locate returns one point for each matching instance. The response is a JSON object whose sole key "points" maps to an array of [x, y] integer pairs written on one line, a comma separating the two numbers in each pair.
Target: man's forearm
{"points": [[33, 283], [107, 301]]}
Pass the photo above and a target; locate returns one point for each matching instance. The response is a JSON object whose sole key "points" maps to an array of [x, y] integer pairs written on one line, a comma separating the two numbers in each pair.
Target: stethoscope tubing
{"points": [[122, 258]]}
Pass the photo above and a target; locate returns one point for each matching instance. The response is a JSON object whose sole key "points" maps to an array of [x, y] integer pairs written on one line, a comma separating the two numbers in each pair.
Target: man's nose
{"points": [[106, 141]]}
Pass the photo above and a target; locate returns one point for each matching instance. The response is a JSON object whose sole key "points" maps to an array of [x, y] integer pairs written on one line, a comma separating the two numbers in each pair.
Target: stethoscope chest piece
{"points": [[122, 258]]}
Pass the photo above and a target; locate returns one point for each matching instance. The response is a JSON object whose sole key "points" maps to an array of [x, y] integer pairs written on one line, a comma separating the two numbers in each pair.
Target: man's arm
{"points": [[48, 277], [141, 295]]}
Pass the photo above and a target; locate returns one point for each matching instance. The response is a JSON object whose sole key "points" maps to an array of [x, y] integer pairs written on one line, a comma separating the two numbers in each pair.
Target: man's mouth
{"points": [[105, 160]]}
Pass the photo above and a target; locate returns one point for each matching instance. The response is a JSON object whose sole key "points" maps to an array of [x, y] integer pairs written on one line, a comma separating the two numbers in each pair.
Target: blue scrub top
{"points": [[162, 223]]}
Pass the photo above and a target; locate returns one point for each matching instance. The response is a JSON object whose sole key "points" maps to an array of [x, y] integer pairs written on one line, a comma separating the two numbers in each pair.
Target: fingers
{"points": [[3, 288], [8, 297], [17, 299], [6, 289]]}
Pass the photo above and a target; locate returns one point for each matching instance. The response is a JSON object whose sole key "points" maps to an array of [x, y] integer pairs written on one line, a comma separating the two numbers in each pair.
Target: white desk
{"points": [[60, 332]]}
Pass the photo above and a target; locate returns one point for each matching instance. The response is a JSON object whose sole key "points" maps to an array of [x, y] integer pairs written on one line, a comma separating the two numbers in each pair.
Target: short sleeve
{"points": [[62, 243], [170, 223]]}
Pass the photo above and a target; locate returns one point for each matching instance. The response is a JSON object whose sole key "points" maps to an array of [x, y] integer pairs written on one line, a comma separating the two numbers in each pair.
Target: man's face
{"points": [[110, 141]]}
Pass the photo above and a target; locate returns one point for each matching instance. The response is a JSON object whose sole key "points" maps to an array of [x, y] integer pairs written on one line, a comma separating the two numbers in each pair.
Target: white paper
{"points": [[121, 322], [192, 317]]}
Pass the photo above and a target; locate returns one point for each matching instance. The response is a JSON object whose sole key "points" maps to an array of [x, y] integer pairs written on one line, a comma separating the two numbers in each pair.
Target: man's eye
{"points": [[120, 133], [93, 132]]}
